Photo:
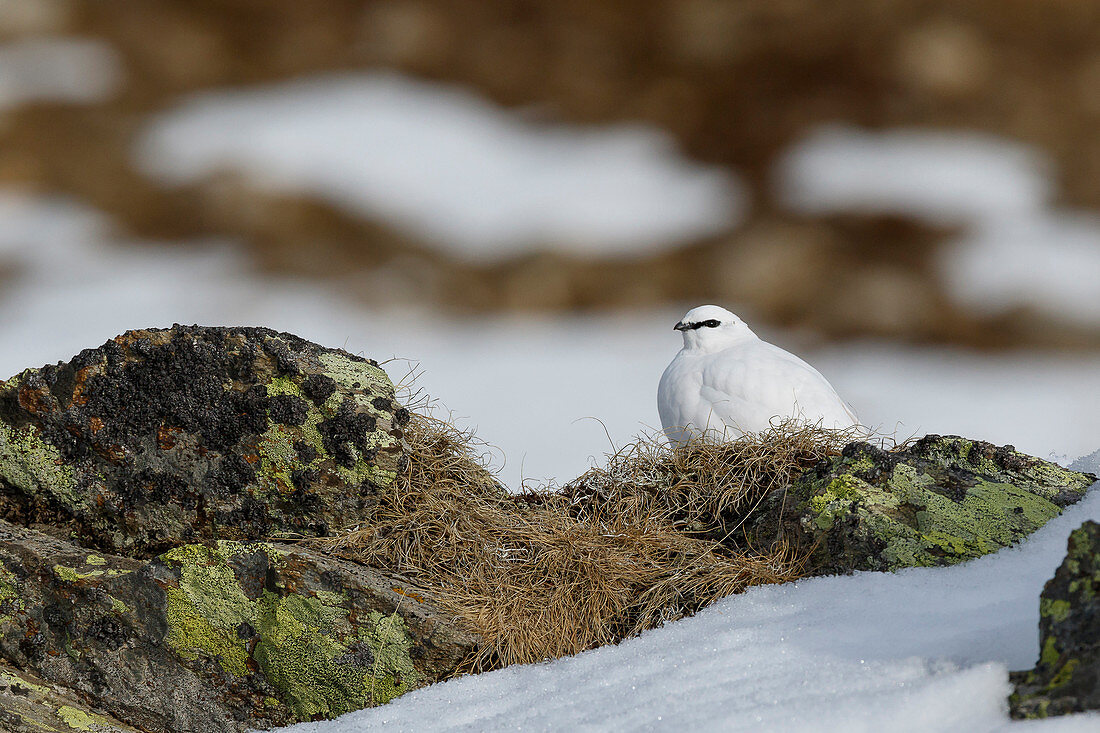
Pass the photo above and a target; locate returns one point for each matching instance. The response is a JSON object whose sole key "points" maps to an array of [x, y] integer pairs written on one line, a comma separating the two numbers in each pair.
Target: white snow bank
{"points": [[56, 69], [1016, 249], [921, 650], [474, 178]]}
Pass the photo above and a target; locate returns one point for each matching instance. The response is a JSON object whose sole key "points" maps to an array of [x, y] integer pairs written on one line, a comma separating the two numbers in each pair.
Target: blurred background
{"points": [[522, 197]]}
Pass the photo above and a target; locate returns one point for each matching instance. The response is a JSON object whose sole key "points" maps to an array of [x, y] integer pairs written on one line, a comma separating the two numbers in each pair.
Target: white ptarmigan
{"points": [[726, 382]]}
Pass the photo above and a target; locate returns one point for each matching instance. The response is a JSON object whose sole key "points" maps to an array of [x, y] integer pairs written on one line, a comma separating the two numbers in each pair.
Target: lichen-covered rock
{"points": [[1066, 678], [225, 636], [166, 436], [29, 704], [941, 501]]}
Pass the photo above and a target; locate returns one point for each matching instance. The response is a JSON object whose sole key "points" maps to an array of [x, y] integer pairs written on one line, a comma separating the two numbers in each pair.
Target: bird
{"points": [[727, 381]]}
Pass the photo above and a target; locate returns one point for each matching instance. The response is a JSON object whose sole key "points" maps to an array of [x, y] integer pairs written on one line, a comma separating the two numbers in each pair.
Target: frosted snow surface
{"points": [[56, 69], [922, 650], [475, 179], [1016, 249]]}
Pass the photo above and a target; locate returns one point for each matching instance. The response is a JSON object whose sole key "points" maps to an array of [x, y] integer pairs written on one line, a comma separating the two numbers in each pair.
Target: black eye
{"points": [[711, 323]]}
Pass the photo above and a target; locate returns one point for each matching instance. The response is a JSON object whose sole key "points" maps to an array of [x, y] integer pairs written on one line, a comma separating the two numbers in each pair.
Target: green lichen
{"points": [[359, 377], [1050, 654], [283, 386], [918, 525], [10, 595], [72, 575], [1064, 675], [391, 643], [206, 609], [95, 560], [118, 607], [1056, 610], [308, 650], [279, 460], [10, 680], [34, 466], [81, 720]]}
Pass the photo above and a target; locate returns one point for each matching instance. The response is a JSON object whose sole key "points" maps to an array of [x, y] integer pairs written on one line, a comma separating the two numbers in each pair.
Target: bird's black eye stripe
{"points": [[711, 323]]}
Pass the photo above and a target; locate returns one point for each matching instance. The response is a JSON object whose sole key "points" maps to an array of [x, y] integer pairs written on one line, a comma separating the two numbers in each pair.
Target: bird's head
{"points": [[712, 328]]}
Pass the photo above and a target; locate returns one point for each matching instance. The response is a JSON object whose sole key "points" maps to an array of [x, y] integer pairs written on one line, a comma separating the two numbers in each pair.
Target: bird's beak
{"points": [[681, 326]]}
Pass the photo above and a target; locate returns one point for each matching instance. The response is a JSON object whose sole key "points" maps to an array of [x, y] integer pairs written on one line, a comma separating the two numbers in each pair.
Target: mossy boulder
{"points": [[227, 636], [941, 501], [166, 436], [1066, 678]]}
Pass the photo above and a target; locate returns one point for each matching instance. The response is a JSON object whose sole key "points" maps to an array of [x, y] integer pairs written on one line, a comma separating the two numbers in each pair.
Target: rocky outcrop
{"points": [[1066, 678], [141, 484], [218, 637], [943, 500], [162, 437]]}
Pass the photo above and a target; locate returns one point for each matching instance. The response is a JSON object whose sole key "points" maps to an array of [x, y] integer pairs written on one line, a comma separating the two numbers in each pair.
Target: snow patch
{"points": [[475, 179], [940, 177]]}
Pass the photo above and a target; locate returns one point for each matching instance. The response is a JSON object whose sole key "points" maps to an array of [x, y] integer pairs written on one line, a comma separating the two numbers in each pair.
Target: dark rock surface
{"points": [[943, 500], [223, 637], [161, 437], [29, 704], [1066, 678], [136, 484]]}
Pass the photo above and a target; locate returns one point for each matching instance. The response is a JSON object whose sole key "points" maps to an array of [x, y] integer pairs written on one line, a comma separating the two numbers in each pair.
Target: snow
{"points": [[56, 69], [941, 177], [1016, 249], [1089, 463], [1051, 261], [447, 165], [924, 649]]}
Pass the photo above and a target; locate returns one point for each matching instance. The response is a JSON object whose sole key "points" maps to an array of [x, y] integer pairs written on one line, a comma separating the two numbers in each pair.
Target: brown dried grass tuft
{"points": [[621, 549]]}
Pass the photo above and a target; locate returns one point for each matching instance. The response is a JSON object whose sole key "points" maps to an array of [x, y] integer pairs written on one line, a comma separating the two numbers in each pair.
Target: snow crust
{"points": [[447, 165], [57, 69]]}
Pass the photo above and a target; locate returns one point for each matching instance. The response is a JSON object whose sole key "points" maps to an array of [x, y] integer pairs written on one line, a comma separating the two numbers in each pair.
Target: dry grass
{"points": [[649, 538]]}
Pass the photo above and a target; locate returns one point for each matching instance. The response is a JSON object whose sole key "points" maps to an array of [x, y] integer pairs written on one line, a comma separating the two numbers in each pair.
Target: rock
{"points": [[29, 704], [225, 636], [163, 437], [1066, 678], [941, 501]]}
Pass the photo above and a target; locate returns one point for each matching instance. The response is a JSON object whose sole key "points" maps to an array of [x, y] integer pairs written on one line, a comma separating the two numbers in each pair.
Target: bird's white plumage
{"points": [[726, 382]]}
